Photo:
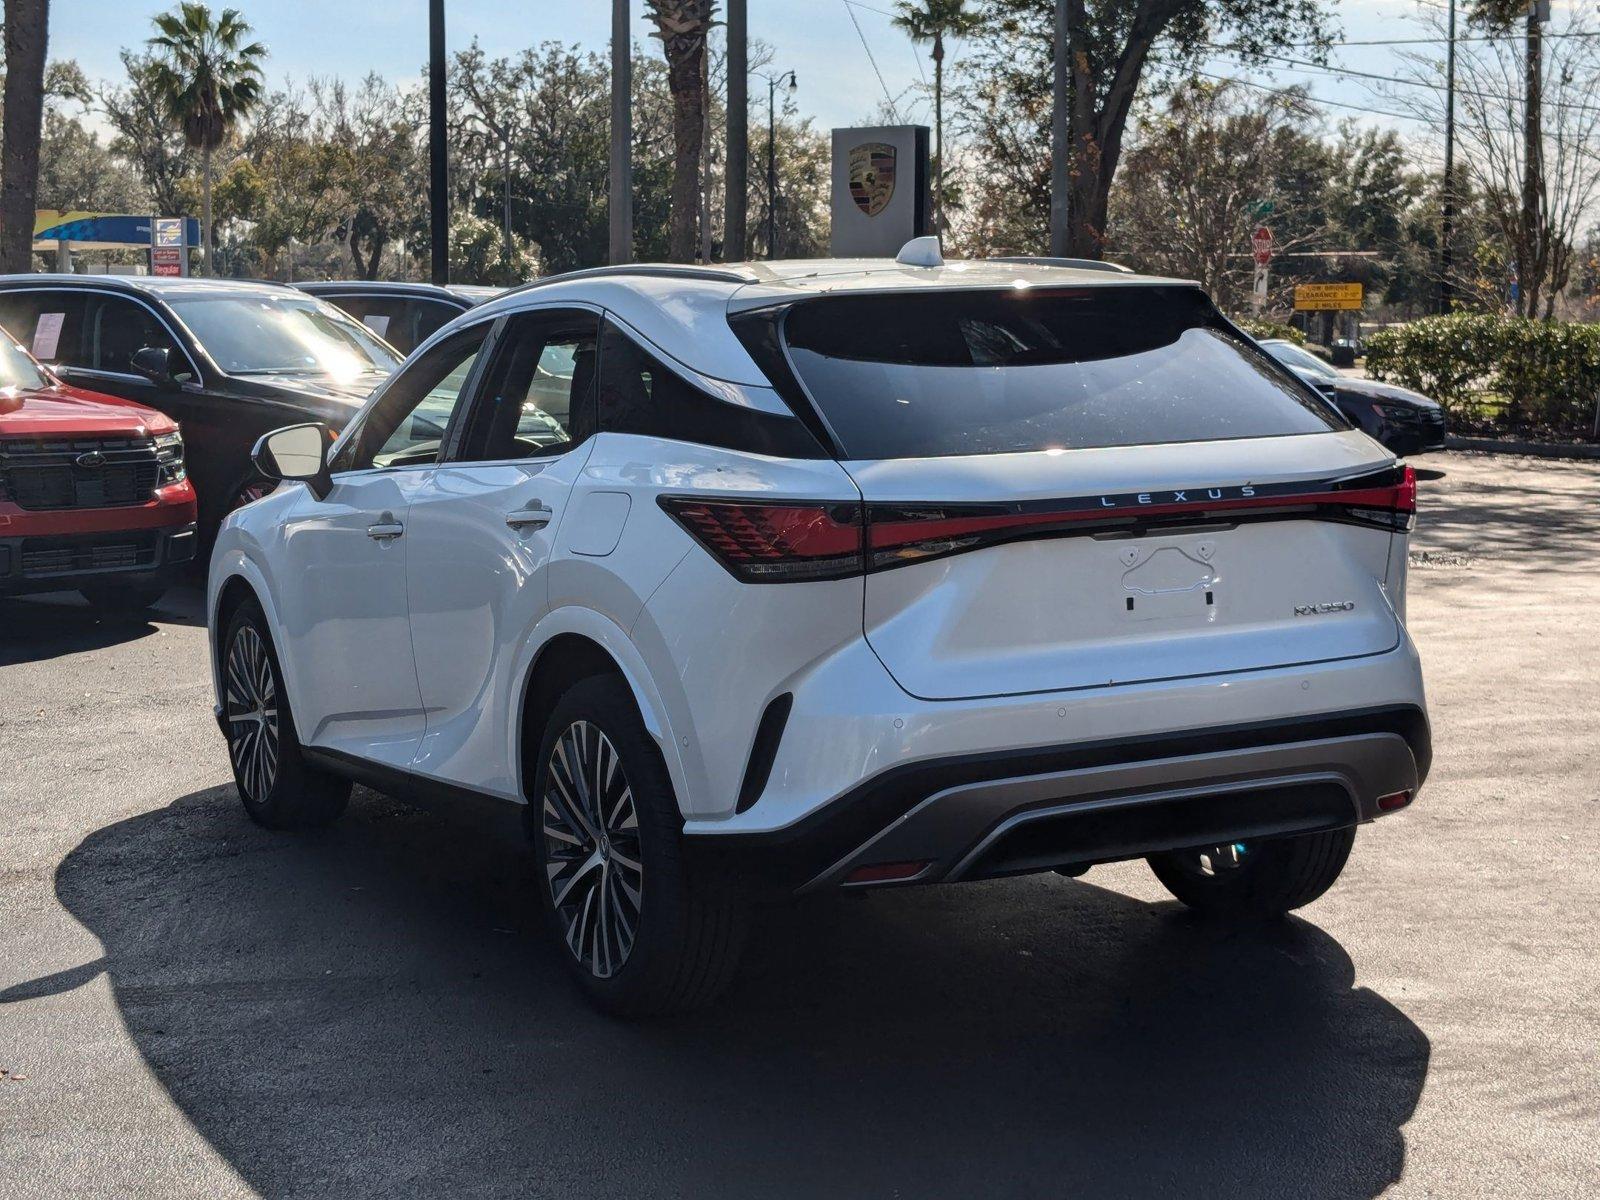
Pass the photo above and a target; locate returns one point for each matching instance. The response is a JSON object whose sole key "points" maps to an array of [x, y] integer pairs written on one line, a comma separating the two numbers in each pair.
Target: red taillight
{"points": [[1393, 801], [775, 543]]}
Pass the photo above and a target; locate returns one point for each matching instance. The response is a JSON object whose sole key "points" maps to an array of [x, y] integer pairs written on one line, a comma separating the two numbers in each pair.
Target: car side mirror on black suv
{"points": [[155, 364], [296, 452]]}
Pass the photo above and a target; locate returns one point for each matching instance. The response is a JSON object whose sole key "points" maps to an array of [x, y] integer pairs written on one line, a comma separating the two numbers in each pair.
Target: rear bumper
{"points": [[978, 816], [62, 562]]}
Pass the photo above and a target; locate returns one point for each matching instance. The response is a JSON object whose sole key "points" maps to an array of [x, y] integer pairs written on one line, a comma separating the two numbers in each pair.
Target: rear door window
{"points": [[49, 323], [932, 374], [537, 398]]}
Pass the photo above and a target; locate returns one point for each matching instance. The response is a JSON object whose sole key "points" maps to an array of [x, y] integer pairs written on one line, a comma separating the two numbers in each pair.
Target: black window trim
{"points": [[90, 290]]}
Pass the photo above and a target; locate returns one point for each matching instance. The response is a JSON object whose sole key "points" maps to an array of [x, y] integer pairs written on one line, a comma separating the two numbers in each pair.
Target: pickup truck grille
{"points": [[44, 474]]}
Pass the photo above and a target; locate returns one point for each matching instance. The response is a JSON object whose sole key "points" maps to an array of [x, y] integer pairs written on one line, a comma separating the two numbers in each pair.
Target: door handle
{"points": [[535, 516], [386, 529]]}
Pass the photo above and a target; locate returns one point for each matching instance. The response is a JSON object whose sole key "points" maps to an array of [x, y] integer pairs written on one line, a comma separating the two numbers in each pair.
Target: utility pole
{"points": [[1060, 135], [438, 164], [1447, 224], [621, 198], [705, 157], [738, 158]]}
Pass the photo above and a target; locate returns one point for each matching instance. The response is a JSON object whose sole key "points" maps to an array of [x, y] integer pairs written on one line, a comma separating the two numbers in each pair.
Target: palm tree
{"points": [[933, 21], [26, 29], [208, 81], [683, 26]]}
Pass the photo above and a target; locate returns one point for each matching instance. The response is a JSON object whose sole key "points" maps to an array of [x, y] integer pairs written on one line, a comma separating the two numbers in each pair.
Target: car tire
{"points": [[279, 788], [638, 932], [1256, 880], [123, 597]]}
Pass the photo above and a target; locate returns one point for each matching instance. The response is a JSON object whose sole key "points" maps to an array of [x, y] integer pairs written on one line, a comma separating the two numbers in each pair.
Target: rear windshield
{"points": [[941, 373]]}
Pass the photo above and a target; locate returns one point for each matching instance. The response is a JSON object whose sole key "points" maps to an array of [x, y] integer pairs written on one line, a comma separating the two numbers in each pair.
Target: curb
{"points": [[1532, 449]]}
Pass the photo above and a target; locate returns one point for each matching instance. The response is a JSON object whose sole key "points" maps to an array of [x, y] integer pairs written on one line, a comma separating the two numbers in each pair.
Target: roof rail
{"points": [[1081, 264], [667, 270]]}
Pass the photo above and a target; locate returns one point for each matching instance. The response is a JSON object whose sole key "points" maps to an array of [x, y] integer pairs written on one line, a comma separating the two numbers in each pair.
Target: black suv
{"points": [[403, 314], [228, 360]]}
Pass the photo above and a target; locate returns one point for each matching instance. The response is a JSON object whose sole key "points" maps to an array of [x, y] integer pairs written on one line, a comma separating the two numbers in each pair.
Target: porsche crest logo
{"points": [[872, 176]]}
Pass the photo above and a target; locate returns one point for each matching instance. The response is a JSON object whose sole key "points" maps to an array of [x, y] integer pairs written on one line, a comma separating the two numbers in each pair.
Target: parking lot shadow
{"points": [[38, 628], [369, 1011]]}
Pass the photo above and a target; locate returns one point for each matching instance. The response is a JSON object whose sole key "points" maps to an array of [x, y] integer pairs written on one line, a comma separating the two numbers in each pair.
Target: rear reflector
{"points": [[789, 541], [1393, 801], [887, 872]]}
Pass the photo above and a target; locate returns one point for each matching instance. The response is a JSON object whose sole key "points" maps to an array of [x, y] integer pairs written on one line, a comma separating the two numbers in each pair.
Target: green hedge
{"points": [[1510, 372], [1262, 330]]}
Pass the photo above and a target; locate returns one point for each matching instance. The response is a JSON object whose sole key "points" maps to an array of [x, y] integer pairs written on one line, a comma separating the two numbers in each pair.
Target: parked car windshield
{"points": [[284, 335], [17, 370], [1291, 355], [913, 375]]}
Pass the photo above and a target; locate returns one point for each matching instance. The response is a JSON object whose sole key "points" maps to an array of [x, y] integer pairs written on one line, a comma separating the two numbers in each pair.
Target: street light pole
{"points": [[772, 152], [738, 161], [1447, 223], [438, 164]]}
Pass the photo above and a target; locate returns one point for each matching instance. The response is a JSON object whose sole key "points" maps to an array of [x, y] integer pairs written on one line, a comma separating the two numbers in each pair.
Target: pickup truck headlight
{"points": [[169, 457]]}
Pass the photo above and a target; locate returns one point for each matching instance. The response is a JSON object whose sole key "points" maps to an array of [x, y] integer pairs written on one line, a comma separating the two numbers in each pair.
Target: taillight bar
{"points": [[784, 541]]}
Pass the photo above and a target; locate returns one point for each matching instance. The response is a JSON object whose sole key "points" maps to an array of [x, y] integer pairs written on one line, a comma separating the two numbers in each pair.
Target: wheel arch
{"points": [[571, 644], [236, 578]]}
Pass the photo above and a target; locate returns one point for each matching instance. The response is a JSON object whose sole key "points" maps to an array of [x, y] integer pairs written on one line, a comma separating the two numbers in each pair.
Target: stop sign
{"points": [[1261, 239]]}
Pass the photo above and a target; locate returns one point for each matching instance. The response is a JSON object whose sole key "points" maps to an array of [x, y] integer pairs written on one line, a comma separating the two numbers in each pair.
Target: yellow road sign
{"points": [[1326, 297]]}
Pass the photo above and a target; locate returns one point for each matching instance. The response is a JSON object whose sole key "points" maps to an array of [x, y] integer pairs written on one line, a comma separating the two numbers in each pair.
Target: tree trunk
{"points": [[1096, 132], [1531, 273], [938, 134], [205, 208], [26, 38], [685, 77]]}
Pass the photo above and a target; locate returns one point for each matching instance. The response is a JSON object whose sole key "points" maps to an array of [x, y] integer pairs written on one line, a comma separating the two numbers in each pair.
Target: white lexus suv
{"points": [[755, 581]]}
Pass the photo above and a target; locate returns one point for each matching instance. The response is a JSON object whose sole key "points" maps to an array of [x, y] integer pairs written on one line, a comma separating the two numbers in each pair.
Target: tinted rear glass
{"points": [[942, 373]]}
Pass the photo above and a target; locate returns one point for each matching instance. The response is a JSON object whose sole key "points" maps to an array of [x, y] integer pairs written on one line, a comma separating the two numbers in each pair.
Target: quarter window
{"points": [[640, 394]]}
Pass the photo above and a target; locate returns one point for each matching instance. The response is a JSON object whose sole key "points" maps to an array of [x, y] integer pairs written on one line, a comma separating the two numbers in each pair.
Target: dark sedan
{"points": [[228, 360], [1405, 421], [403, 314]]}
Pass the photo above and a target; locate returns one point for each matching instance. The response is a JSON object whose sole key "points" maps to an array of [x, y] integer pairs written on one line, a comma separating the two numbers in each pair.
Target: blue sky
{"points": [[817, 38]]}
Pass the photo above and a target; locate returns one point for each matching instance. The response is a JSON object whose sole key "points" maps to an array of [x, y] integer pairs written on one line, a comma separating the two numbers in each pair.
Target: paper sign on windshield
{"points": [[377, 322], [47, 335]]}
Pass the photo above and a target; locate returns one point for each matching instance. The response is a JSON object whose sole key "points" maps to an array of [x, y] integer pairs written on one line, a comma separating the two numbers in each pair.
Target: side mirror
{"points": [[155, 364], [296, 452]]}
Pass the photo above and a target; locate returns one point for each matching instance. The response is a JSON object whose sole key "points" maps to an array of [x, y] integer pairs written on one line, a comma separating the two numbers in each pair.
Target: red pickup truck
{"points": [[93, 492]]}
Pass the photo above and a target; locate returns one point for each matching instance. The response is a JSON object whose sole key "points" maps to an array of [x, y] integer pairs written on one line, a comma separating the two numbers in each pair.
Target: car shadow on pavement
{"points": [[372, 1010], [55, 624]]}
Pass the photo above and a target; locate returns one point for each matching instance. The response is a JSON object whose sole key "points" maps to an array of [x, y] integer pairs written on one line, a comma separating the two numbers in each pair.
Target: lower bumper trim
{"points": [[1004, 813]]}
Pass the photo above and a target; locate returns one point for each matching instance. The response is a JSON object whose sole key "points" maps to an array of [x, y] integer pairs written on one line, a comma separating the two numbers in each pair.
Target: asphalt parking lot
{"points": [[190, 1006]]}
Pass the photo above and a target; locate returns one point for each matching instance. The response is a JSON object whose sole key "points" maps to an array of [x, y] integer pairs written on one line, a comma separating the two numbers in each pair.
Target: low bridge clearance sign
{"points": [[1327, 297]]}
